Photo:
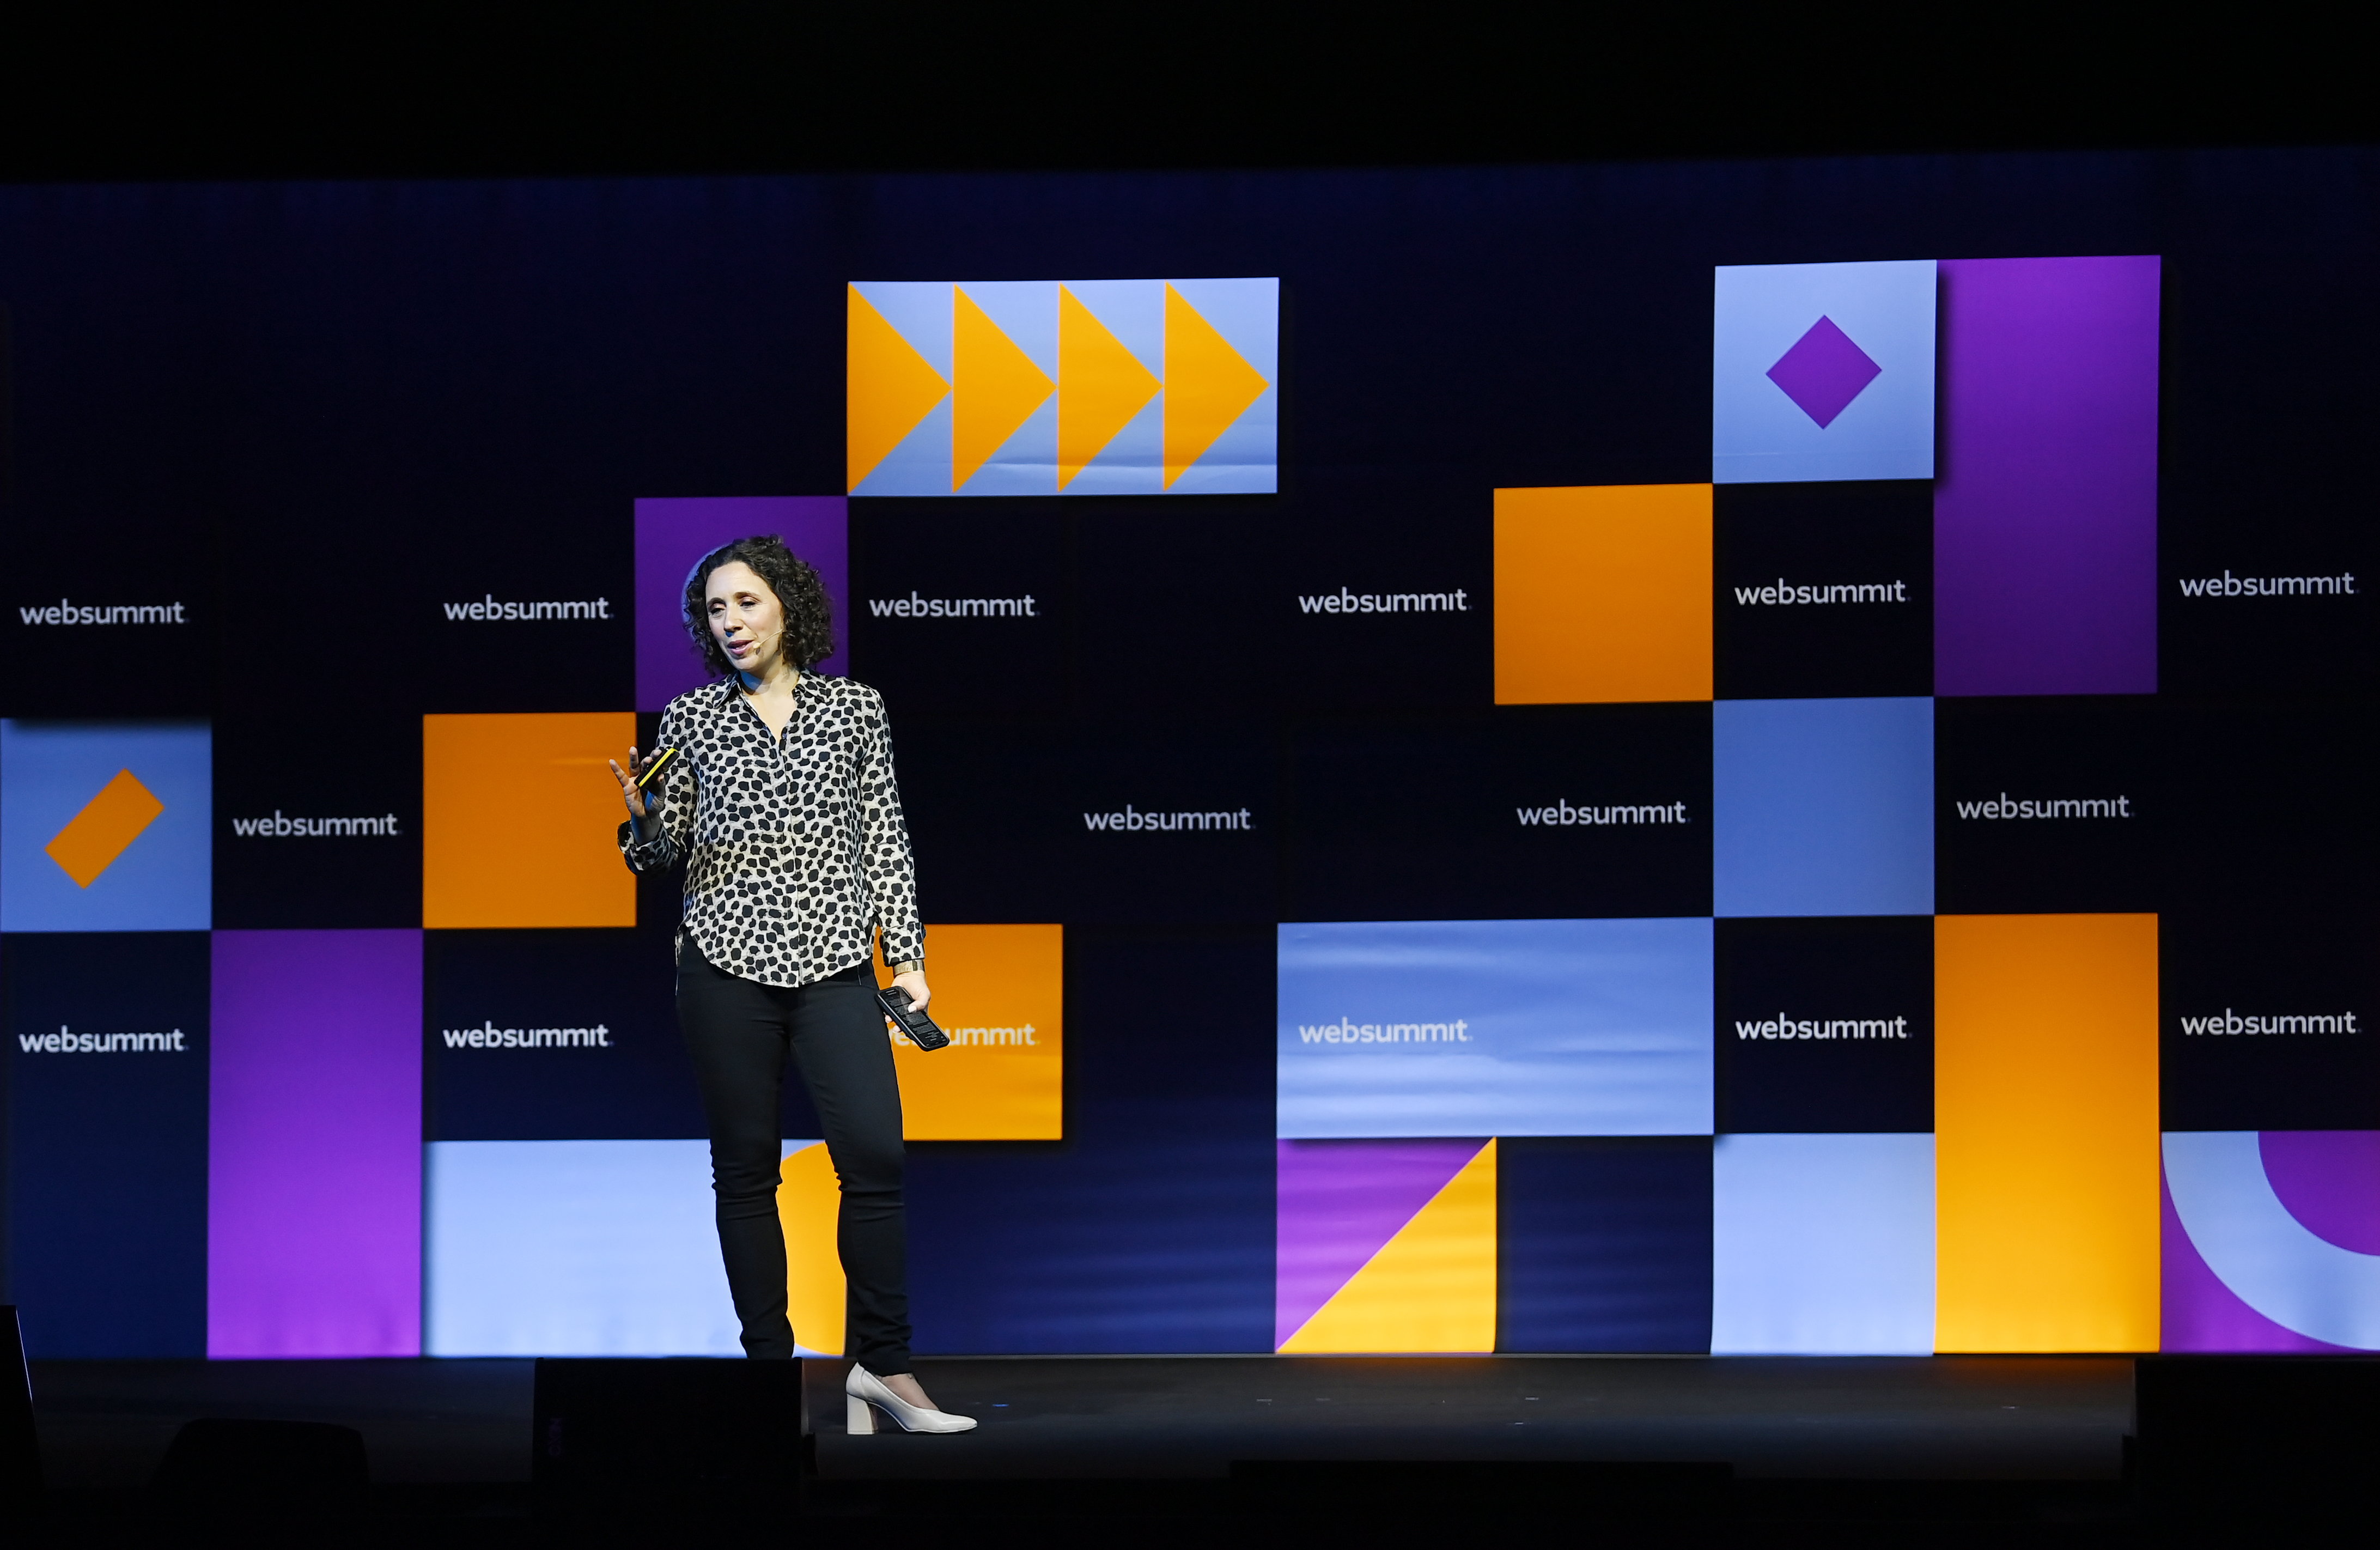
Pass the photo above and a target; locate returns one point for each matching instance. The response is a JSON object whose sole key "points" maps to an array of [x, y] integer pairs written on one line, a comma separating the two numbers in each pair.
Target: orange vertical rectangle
{"points": [[2046, 1132], [520, 818], [1000, 993], [1603, 593]]}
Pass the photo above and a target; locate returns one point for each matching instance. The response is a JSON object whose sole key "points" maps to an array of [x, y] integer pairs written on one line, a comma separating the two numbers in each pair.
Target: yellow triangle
{"points": [[807, 1202], [1100, 387], [1208, 386], [998, 389], [888, 388], [1431, 1288]]}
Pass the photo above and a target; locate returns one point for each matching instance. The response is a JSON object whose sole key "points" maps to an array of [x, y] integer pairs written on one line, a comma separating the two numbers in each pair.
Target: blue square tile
{"points": [[1823, 370], [1822, 807], [49, 772], [1823, 1245]]}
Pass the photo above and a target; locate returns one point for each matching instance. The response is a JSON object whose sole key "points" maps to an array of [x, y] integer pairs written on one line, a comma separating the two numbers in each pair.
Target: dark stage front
{"points": [[104, 1425], [2078, 1450]]}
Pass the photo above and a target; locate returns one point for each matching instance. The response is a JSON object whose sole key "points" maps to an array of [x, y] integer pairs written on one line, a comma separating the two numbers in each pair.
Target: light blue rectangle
{"points": [[1759, 435], [49, 772], [1245, 459], [574, 1248], [1494, 1028], [1822, 1245], [1822, 807]]}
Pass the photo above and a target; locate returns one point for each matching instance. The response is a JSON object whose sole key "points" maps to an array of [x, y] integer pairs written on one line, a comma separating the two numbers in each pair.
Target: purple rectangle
{"points": [[314, 1144], [671, 534], [2045, 491]]}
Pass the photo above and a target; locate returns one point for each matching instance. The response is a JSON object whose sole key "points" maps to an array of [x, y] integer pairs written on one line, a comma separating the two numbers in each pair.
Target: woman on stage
{"points": [[779, 802]]}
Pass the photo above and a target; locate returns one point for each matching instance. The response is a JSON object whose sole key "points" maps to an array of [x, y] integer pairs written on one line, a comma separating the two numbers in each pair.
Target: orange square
{"points": [[1603, 593], [1000, 993], [520, 819]]}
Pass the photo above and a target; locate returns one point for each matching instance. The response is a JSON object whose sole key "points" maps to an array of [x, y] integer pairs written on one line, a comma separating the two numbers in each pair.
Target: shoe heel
{"points": [[859, 1416]]}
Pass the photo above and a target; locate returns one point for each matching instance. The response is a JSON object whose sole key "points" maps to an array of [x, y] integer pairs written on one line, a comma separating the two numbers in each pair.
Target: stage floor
{"points": [[104, 1424]]}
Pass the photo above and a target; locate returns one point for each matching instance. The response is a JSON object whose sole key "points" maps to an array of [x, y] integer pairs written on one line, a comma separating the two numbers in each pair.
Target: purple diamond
{"points": [[1823, 371]]}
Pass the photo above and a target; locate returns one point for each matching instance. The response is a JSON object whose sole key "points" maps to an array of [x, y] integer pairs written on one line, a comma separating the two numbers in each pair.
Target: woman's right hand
{"points": [[640, 805]]}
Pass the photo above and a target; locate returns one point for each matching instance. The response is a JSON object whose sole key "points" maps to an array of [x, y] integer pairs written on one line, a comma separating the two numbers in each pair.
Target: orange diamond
{"points": [[107, 825]]}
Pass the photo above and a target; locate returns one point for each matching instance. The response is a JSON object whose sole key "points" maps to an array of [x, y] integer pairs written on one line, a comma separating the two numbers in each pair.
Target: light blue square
{"points": [[1822, 807], [1822, 1245], [573, 1248], [49, 772], [1494, 1028], [1759, 435]]}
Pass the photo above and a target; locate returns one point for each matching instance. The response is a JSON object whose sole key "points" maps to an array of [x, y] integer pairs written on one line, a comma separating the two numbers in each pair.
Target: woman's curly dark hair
{"points": [[809, 620]]}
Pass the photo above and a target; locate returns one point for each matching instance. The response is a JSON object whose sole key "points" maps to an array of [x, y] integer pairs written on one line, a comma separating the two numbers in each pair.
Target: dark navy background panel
{"points": [[2270, 804], [911, 637], [2073, 748], [1416, 540], [639, 1087], [108, 1151], [1173, 603], [2254, 476], [1813, 971], [2226, 974], [317, 819], [990, 823], [571, 547], [1604, 1245], [1425, 819], [1150, 1227], [1125, 871], [1774, 640]]}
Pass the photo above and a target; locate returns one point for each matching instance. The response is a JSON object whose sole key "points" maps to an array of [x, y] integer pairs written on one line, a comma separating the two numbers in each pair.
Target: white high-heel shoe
{"points": [[863, 1393]]}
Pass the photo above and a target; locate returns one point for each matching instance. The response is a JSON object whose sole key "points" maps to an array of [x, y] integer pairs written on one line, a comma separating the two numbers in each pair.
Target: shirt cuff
{"points": [[644, 851]]}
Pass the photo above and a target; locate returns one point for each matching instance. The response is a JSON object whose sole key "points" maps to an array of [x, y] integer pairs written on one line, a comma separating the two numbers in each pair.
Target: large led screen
{"points": [[1759, 759]]}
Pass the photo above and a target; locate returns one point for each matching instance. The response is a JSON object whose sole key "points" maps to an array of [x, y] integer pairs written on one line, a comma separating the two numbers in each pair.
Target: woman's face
{"points": [[746, 618]]}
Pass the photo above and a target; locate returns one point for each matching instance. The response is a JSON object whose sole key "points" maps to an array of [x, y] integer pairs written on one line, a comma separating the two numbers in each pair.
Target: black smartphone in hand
{"points": [[916, 1025]]}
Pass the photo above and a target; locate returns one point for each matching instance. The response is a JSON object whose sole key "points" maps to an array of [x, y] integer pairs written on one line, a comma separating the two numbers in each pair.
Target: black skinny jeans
{"points": [[739, 1031]]}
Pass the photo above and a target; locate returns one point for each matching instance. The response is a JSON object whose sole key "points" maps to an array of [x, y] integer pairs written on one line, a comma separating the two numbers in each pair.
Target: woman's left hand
{"points": [[914, 982]]}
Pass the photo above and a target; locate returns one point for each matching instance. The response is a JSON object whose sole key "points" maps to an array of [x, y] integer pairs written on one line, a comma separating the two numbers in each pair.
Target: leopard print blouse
{"points": [[794, 848]]}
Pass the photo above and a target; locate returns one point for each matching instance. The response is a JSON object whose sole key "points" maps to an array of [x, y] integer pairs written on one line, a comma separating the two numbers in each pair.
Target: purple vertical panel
{"points": [[314, 1145], [674, 533], [1338, 1203], [2045, 493]]}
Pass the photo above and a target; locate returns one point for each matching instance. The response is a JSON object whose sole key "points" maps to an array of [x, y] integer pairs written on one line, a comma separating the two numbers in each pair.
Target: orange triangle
{"points": [[888, 388], [1103, 386], [998, 389], [1208, 386]]}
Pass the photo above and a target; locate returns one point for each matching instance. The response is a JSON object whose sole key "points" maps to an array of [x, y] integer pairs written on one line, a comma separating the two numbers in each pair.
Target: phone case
{"points": [[919, 1027]]}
